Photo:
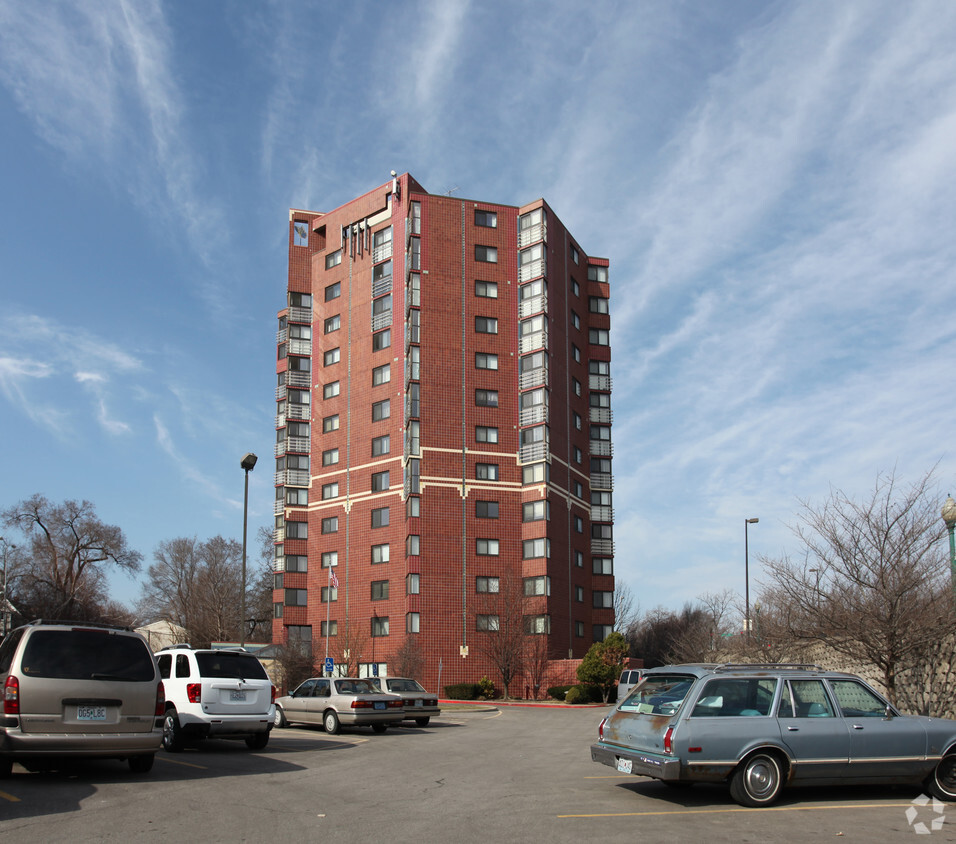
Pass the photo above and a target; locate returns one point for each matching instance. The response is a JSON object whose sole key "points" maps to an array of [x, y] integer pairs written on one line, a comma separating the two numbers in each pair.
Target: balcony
{"points": [[533, 416], [278, 565], [532, 306], [600, 382], [296, 445], [532, 235], [534, 453], [601, 448], [299, 314], [298, 346], [297, 378], [279, 507], [278, 535], [382, 253], [602, 547], [382, 286], [601, 415], [380, 321], [532, 269], [280, 420], [301, 412], [602, 514], [602, 480], [533, 378], [280, 392], [282, 335], [292, 477], [532, 342]]}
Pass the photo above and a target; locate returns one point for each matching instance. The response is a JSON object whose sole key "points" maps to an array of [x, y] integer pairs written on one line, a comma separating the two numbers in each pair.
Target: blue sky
{"points": [[773, 183]]}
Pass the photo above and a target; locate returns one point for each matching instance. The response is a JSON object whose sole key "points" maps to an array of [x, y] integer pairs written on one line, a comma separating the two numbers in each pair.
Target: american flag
{"points": [[333, 580]]}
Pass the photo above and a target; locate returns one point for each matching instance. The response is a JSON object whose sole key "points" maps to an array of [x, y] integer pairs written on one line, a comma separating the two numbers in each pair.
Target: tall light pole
{"points": [[747, 524], [248, 463], [949, 516]]}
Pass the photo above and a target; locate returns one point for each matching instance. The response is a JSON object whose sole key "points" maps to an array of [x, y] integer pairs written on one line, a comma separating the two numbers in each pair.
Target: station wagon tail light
{"points": [[669, 740], [194, 692], [11, 696], [160, 700], [601, 729]]}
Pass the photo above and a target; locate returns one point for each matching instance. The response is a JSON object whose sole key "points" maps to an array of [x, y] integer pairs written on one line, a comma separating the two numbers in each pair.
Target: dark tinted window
{"points": [[87, 654], [8, 648], [165, 661], [225, 664]]}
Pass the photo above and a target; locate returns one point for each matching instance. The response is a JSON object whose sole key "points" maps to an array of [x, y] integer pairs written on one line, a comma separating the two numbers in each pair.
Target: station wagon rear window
{"points": [[744, 697], [658, 694]]}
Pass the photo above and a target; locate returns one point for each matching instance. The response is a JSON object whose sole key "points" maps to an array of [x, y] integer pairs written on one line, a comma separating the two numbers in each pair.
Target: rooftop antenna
{"points": [[451, 190]]}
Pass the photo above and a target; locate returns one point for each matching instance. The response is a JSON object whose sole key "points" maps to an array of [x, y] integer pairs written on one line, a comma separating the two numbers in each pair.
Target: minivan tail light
{"points": [[669, 740], [11, 696], [194, 692], [160, 700], [273, 694]]}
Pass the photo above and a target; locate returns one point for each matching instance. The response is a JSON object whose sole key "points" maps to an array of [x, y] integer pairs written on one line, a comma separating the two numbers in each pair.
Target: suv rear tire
{"points": [[172, 733], [257, 741]]}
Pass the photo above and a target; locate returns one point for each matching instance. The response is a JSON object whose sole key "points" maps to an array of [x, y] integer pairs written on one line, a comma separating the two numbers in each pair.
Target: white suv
{"points": [[215, 694]]}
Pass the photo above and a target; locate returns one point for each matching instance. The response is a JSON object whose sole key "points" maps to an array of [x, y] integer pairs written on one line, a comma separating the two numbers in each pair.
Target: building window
{"points": [[601, 432], [333, 259], [382, 305], [379, 481], [532, 548], [486, 254], [602, 631], [296, 530], [332, 356], [484, 434], [535, 511], [300, 638], [575, 319], [333, 291], [329, 594], [597, 274], [602, 600], [486, 623], [381, 410], [412, 622], [579, 594], [537, 624], [296, 562], [330, 423], [333, 323], [578, 489], [486, 471], [380, 517], [486, 398], [299, 397], [330, 628], [486, 547], [381, 237], [485, 361], [379, 590], [575, 288], [330, 559], [488, 219], [487, 584], [537, 586], [578, 524], [486, 509], [575, 353], [579, 559], [575, 255], [601, 531], [486, 325], [381, 340], [380, 446], [331, 390], [599, 336], [597, 305], [296, 597], [577, 421], [278, 580], [413, 507], [330, 524], [413, 545], [300, 236], [579, 629], [277, 610], [575, 386], [330, 457], [381, 374], [380, 553], [330, 491], [602, 565], [413, 584], [536, 473], [379, 627], [380, 272], [296, 497], [577, 454], [486, 289]]}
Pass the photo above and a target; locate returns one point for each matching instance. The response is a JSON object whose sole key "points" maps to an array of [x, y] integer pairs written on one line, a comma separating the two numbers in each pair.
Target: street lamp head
{"points": [[751, 521], [249, 461], [949, 512]]}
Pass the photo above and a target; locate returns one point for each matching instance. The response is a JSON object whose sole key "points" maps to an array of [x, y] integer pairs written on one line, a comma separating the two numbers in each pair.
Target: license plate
{"points": [[91, 713], [419, 702], [379, 704], [237, 696], [624, 766]]}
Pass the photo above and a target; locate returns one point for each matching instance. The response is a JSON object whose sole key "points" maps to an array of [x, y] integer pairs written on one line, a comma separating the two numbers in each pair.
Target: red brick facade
{"points": [[425, 462]]}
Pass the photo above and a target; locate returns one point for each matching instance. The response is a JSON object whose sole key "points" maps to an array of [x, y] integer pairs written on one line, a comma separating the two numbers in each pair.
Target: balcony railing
{"points": [[280, 420], [299, 314], [533, 378], [280, 392], [297, 445], [302, 412], [602, 448], [382, 286], [278, 565], [279, 508], [278, 535], [600, 382], [532, 306], [292, 477], [532, 269], [382, 253], [533, 415], [532, 235], [380, 321], [534, 453], [602, 547], [297, 378], [601, 415], [602, 480], [532, 342], [601, 513], [281, 335], [298, 346]]}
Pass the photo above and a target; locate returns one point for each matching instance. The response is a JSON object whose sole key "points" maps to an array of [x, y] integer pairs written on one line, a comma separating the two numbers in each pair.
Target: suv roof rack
{"points": [[772, 666], [181, 646], [70, 622]]}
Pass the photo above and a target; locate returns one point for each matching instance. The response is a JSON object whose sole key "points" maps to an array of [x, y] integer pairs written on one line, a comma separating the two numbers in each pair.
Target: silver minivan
{"points": [[78, 689], [628, 680]]}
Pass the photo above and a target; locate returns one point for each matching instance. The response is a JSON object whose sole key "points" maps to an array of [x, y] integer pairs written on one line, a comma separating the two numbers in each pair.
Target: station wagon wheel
{"points": [[942, 782], [757, 781], [331, 722], [279, 718], [172, 732]]}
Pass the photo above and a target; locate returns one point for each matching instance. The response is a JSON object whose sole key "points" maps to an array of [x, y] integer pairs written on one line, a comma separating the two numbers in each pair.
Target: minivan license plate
{"points": [[237, 696], [624, 766], [91, 713]]}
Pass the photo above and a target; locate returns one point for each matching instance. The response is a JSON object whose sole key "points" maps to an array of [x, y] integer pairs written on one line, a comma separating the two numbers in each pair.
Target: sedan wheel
{"points": [[279, 718], [942, 782], [379, 728], [757, 781], [331, 722], [422, 722], [172, 733]]}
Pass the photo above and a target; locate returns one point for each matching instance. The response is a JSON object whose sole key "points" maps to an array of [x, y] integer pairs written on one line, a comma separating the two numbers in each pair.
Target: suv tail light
{"points": [[194, 692], [669, 740], [11, 696], [160, 700]]}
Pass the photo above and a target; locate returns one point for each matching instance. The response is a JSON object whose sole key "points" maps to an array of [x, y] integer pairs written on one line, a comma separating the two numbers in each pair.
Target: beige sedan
{"points": [[335, 702]]}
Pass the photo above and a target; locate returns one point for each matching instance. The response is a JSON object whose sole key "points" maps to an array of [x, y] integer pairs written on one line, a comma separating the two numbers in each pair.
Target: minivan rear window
{"points": [[658, 694], [87, 655], [233, 665]]}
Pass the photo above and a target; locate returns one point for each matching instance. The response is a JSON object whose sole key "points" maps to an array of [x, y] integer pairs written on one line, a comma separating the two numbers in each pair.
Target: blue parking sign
{"points": [[329, 665]]}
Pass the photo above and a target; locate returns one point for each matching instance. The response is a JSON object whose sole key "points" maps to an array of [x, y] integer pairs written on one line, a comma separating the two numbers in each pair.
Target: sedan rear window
{"points": [[658, 694], [87, 655], [225, 664]]}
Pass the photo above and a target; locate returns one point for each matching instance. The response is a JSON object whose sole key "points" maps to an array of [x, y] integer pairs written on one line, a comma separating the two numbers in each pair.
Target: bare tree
{"points": [[409, 660], [872, 580], [352, 643], [537, 659], [626, 608], [503, 642], [259, 604], [69, 550]]}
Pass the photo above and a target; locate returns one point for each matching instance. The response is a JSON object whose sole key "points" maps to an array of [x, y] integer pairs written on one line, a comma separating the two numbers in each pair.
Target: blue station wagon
{"points": [[762, 727]]}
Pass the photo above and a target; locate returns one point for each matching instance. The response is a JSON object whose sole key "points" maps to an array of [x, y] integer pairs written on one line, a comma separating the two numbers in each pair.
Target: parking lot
{"points": [[513, 774]]}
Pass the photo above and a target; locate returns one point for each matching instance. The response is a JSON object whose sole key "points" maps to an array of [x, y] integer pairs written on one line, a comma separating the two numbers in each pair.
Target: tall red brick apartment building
{"points": [[443, 435]]}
